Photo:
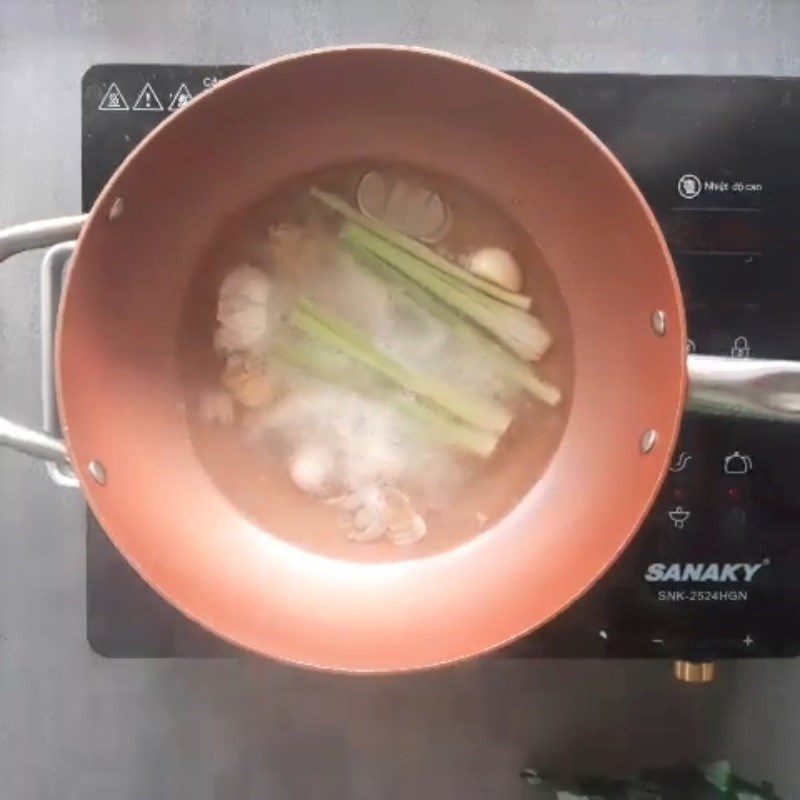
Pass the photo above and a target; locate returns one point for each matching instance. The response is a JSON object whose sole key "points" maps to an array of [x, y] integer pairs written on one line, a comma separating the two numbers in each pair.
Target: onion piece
{"points": [[370, 533], [410, 535], [408, 207], [400, 513]]}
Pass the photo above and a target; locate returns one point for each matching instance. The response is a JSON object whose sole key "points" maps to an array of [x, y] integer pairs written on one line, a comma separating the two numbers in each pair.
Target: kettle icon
{"points": [[741, 347], [737, 464]]}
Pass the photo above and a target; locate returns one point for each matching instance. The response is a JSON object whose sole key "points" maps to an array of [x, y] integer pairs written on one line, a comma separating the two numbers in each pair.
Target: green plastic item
{"points": [[714, 781]]}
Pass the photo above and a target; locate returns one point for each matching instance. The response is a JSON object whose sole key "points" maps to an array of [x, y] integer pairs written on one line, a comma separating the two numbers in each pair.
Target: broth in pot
{"points": [[382, 348]]}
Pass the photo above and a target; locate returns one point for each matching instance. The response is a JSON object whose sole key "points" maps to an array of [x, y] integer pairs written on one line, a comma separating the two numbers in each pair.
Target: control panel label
{"points": [[703, 573], [691, 186], [702, 595]]}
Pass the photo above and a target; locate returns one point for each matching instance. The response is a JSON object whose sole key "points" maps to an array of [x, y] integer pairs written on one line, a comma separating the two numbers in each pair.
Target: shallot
{"points": [[498, 266], [312, 469]]}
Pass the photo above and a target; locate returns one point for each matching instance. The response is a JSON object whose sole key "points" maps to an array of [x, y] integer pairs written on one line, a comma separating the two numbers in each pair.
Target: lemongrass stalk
{"points": [[421, 251], [518, 330], [336, 332], [515, 368], [443, 427]]}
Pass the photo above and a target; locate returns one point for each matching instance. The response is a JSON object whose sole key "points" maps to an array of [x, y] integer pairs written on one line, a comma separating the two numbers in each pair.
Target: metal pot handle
{"points": [[18, 239], [745, 387]]}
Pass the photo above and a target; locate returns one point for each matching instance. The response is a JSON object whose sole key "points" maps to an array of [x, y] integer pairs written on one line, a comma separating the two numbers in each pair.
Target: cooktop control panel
{"points": [[715, 570]]}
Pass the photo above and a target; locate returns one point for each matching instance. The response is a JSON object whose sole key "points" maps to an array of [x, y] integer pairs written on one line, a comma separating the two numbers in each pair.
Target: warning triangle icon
{"points": [[148, 100], [180, 98], [113, 100]]}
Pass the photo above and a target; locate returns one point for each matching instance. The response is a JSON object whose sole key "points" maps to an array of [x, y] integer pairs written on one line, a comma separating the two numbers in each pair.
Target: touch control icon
{"points": [[689, 186], [740, 347], [679, 515], [681, 461], [737, 463]]}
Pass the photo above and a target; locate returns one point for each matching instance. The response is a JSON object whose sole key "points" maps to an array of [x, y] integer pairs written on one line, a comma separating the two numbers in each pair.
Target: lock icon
{"points": [[741, 347]]}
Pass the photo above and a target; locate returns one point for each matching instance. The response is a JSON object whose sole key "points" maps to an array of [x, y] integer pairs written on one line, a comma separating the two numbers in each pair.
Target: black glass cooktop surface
{"points": [[713, 571]]}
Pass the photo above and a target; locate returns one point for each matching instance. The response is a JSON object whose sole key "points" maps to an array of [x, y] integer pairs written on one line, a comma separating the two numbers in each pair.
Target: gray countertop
{"points": [[74, 726]]}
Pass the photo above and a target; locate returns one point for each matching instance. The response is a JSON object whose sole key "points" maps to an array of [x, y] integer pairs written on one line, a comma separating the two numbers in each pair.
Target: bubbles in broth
{"points": [[377, 362]]}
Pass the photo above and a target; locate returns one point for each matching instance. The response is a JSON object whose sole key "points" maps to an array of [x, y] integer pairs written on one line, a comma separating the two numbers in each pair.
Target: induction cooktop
{"points": [[713, 572]]}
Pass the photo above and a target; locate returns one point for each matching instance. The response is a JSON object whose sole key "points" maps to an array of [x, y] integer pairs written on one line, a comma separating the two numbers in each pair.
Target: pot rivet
{"points": [[117, 207], [648, 441], [659, 322], [98, 472]]}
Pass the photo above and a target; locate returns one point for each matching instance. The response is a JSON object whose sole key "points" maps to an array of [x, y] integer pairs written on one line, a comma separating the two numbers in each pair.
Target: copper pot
{"points": [[119, 395]]}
